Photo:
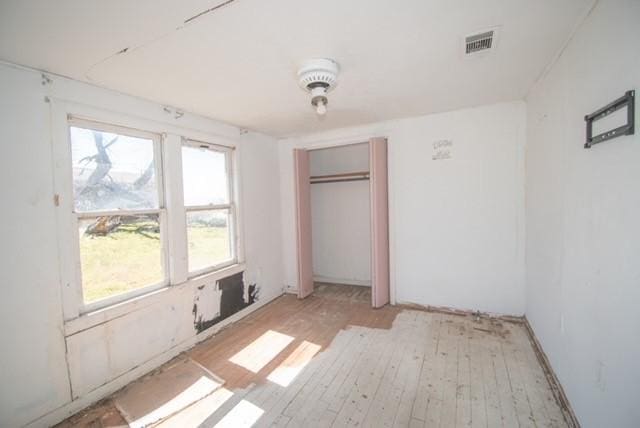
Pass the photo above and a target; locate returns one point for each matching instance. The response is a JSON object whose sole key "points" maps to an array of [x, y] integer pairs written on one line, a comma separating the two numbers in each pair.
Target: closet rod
{"points": [[334, 178], [340, 180]]}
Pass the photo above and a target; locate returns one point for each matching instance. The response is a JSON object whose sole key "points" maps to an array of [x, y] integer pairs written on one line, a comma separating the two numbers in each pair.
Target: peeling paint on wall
{"points": [[216, 302]]}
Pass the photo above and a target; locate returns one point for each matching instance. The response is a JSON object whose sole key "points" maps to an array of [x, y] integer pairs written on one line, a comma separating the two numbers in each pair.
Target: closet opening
{"points": [[342, 221]]}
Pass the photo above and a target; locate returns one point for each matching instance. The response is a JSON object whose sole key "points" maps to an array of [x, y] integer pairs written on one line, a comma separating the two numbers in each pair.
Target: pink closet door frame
{"points": [[379, 195], [303, 222]]}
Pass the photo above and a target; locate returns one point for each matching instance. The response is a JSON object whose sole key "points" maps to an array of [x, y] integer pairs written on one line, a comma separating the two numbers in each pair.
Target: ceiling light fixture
{"points": [[318, 76]]}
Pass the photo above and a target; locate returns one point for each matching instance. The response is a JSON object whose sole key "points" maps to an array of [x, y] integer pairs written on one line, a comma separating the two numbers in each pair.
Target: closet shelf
{"points": [[335, 178]]}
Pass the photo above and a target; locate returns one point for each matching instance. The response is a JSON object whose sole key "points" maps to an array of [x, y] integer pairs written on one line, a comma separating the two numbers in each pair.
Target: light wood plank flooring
{"points": [[331, 360]]}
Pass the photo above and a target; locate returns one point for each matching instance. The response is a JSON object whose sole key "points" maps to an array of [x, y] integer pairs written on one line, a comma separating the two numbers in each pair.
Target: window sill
{"points": [[117, 310], [197, 274]]}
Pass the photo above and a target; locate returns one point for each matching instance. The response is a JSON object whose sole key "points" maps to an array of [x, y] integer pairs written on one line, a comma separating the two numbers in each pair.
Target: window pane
{"points": [[112, 171], [208, 236], [119, 254], [204, 176]]}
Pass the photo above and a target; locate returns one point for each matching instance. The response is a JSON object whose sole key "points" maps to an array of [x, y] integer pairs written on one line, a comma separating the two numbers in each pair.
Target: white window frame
{"points": [[76, 316], [161, 211], [230, 206]]}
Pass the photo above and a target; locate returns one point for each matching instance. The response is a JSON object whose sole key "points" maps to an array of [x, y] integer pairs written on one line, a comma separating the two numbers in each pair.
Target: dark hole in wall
{"points": [[231, 300]]}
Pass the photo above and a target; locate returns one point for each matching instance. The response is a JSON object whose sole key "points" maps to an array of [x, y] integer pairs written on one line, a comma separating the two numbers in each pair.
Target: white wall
{"points": [[37, 373], [33, 378], [456, 225], [340, 217], [583, 230]]}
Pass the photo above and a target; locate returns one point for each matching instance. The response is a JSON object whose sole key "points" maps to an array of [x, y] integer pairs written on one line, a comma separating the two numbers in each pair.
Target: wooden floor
{"points": [[331, 360]]}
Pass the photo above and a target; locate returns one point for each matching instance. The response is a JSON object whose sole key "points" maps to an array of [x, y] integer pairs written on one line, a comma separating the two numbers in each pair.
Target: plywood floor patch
{"points": [[166, 392]]}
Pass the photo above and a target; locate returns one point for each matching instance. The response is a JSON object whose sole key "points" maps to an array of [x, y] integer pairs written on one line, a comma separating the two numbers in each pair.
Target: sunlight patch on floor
{"points": [[244, 414], [261, 351], [198, 413], [286, 372]]}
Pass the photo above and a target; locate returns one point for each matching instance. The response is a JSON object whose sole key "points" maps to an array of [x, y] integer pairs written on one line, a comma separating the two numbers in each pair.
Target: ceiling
{"points": [[238, 62]]}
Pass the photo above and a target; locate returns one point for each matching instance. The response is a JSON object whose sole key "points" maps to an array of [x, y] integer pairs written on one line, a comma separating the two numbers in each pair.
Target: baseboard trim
{"points": [[556, 387], [329, 280], [69, 409], [462, 312]]}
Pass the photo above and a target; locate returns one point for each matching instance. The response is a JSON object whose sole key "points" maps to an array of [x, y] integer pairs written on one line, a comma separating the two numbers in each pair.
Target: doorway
{"points": [[342, 218]]}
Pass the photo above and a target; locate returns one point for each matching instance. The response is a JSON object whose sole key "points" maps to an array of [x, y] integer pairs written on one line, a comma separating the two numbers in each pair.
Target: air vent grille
{"points": [[479, 42]]}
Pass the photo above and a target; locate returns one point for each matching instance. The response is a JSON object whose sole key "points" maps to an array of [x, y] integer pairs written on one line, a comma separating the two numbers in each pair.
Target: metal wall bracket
{"points": [[627, 100]]}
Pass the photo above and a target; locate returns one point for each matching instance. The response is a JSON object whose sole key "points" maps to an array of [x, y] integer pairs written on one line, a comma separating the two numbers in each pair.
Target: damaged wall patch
{"points": [[234, 296]]}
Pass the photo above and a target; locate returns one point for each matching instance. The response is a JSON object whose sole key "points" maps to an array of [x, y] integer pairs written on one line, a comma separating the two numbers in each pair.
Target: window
{"points": [[210, 212], [119, 211], [128, 238]]}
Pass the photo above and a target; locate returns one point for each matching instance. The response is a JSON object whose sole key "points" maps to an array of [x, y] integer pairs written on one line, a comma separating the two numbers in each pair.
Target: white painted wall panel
{"points": [[33, 372], [583, 235], [260, 208], [102, 353]]}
